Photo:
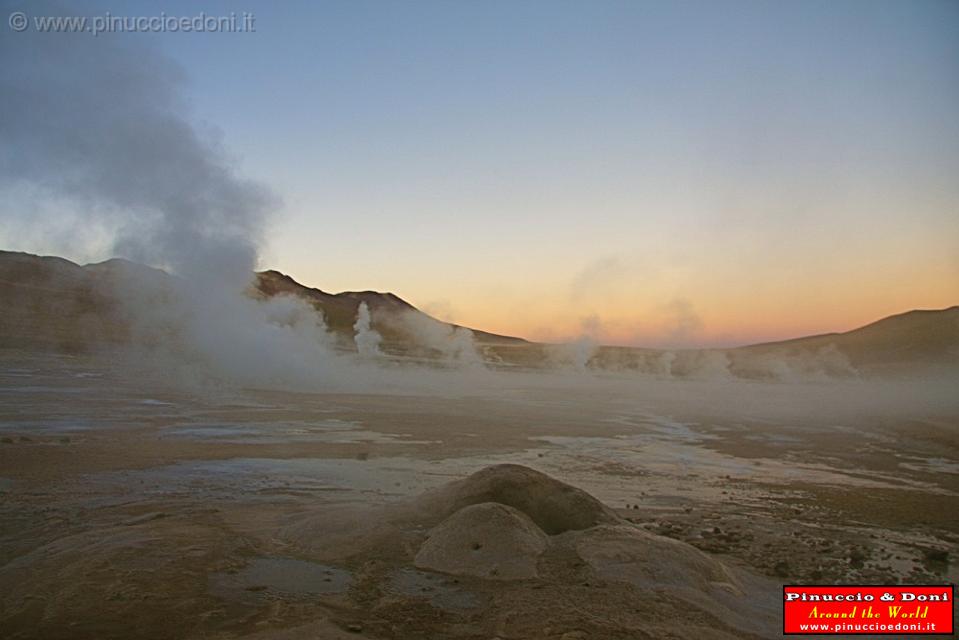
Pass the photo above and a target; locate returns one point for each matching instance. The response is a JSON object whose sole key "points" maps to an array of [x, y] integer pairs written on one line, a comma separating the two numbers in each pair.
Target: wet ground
{"points": [[137, 507]]}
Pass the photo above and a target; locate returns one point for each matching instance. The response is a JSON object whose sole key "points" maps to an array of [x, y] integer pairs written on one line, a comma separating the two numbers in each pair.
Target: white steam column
{"points": [[367, 340]]}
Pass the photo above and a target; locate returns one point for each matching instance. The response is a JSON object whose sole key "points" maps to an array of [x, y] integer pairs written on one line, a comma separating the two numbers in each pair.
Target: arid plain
{"points": [[433, 495]]}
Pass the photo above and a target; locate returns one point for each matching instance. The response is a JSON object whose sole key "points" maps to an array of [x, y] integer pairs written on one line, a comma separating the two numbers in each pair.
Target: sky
{"points": [[641, 173]]}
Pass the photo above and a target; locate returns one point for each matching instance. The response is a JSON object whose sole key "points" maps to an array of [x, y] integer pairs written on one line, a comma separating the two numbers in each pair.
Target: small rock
{"points": [[936, 555], [857, 558]]}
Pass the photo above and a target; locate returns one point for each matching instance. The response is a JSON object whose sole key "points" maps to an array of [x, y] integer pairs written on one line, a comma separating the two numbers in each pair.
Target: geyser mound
{"points": [[501, 519], [554, 506], [519, 542], [486, 540], [626, 554]]}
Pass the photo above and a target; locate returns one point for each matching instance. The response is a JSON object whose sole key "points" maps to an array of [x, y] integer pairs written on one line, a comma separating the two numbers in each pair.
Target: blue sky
{"points": [[775, 167]]}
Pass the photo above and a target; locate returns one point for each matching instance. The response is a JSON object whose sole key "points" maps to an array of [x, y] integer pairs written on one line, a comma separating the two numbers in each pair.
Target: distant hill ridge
{"points": [[43, 297], [50, 302], [340, 309]]}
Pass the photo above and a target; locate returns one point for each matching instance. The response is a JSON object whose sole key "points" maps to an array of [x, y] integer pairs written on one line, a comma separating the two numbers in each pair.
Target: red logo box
{"points": [[869, 609]]}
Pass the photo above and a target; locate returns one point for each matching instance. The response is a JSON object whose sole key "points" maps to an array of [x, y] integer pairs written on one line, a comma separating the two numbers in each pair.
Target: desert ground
{"points": [[631, 314], [139, 505]]}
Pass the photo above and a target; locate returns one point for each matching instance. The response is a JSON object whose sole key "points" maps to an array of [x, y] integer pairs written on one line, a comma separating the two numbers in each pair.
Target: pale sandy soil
{"points": [[137, 508]]}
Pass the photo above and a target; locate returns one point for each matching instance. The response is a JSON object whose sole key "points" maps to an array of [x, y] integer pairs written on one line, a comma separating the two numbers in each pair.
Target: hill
{"points": [[340, 309], [50, 302], [920, 336], [926, 340]]}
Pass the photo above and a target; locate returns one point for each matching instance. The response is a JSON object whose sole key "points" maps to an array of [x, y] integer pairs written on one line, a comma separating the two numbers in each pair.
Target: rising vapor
{"points": [[101, 123], [366, 338]]}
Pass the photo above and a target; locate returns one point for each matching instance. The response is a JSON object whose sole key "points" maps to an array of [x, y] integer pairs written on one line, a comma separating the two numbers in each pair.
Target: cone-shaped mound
{"points": [[491, 528], [649, 561], [486, 540], [553, 505]]}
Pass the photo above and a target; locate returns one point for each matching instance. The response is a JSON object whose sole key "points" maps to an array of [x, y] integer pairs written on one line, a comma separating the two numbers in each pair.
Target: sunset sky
{"points": [[650, 173]]}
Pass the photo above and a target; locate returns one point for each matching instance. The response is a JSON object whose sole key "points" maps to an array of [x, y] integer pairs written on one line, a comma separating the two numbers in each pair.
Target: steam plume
{"points": [[100, 124], [366, 338]]}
